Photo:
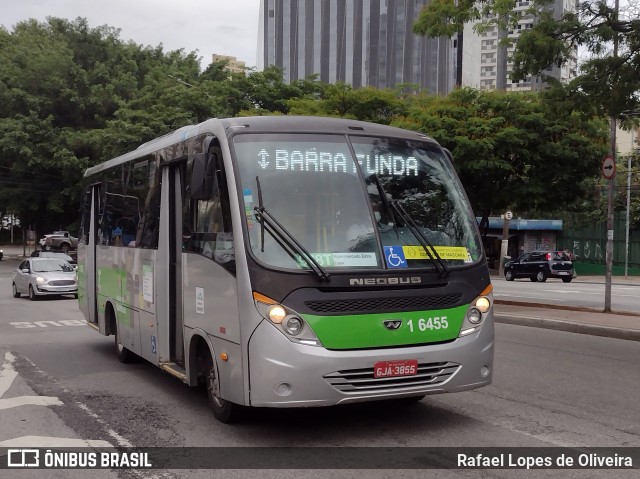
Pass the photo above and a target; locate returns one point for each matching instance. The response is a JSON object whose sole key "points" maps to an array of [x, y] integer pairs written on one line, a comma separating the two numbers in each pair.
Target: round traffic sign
{"points": [[608, 167], [508, 215]]}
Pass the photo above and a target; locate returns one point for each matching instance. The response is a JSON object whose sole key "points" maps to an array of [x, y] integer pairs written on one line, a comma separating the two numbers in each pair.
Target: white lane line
{"points": [[7, 376], [9, 403], [8, 373], [516, 296], [119, 439], [46, 441], [557, 291]]}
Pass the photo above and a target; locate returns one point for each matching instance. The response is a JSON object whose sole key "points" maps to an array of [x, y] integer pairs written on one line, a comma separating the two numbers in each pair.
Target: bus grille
{"points": [[362, 380], [382, 305], [62, 282]]}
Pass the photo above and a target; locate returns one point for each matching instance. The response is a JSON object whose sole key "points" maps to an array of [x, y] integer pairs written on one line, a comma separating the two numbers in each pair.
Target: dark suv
{"points": [[540, 265]]}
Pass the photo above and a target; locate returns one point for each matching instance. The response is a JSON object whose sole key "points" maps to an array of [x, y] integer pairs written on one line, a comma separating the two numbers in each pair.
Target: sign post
{"points": [[504, 247], [609, 173]]}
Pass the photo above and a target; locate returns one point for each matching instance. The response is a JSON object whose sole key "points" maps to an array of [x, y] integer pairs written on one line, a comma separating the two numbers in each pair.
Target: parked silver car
{"points": [[44, 277]]}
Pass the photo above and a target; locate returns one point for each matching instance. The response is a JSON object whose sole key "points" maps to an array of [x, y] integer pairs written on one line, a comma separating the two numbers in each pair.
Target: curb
{"points": [[569, 326], [525, 304]]}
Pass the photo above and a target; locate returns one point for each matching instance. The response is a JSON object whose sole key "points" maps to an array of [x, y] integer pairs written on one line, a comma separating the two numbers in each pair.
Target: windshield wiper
{"points": [[399, 211], [282, 235], [280, 232], [422, 239]]}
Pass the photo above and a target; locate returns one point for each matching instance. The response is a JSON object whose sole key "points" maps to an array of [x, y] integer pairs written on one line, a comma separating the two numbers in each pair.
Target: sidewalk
{"points": [[617, 324], [15, 251], [564, 318]]}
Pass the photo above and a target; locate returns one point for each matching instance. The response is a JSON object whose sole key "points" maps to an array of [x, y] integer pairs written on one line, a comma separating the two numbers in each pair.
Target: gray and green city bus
{"points": [[289, 262]]}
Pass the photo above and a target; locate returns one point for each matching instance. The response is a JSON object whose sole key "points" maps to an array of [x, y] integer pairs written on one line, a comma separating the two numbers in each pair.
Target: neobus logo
{"points": [[384, 281]]}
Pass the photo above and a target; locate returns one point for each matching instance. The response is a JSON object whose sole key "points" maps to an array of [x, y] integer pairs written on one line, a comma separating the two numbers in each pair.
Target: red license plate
{"points": [[385, 369]]}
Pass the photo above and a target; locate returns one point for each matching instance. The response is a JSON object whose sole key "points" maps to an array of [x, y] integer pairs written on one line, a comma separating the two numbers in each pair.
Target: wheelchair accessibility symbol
{"points": [[395, 257]]}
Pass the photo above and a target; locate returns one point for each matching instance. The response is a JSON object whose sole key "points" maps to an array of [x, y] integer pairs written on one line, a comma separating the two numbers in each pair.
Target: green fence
{"points": [[588, 240]]}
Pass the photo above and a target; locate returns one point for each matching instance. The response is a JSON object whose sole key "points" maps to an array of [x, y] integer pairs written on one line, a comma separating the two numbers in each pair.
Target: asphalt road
{"points": [[550, 388], [624, 297]]}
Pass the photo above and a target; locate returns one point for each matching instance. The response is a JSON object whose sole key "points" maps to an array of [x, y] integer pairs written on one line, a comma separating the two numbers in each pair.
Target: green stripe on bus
{"points": [[369, 331]]}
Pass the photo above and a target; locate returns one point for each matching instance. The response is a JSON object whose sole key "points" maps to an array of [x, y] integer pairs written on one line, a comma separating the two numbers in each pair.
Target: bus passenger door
{"points": [[168, 270], [91, 267], [176, 341]]}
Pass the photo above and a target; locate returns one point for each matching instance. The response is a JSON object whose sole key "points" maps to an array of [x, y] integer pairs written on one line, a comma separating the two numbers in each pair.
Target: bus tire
{"points": [[224, 411], [124, 355]]}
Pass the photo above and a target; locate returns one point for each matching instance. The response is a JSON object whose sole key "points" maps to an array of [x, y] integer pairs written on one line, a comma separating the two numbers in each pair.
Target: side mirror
{"points": [[25, 270], [202, 176], [508, 258]]}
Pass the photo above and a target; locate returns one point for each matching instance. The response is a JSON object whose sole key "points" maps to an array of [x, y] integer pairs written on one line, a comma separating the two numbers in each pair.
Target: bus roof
{"points": [[262, 124]]}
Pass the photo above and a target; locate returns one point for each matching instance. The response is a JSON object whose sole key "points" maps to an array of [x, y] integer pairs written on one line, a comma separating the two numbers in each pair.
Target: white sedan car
{"points": [[44, 277]]}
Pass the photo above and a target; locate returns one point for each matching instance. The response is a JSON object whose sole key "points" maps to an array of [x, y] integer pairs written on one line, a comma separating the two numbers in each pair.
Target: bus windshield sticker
{"points": [[341, 259], [336, 162], [445, 253], [248, 206], [394, 256]]}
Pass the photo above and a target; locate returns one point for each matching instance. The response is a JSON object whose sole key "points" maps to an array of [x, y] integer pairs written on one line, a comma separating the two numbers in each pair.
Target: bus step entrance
{"points": [[175, 370]]}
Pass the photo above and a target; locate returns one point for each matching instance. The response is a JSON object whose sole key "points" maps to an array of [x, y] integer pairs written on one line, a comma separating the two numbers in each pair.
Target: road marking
{"points": [[47, 441], [8, 403], [8, 373], [537, 296], [47, 324], [119, 439], [577, 291], [7, 376]]}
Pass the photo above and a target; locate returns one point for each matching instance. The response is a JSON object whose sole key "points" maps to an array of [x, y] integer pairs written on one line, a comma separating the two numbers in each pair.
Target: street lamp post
{"points": [[626, 243]]}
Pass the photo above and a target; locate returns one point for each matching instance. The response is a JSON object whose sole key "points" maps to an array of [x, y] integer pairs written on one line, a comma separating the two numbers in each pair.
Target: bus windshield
{"points": [[311, 184]]}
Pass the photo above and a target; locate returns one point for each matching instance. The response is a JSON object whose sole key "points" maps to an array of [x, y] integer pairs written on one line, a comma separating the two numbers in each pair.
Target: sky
{"points": [[226, 27]]}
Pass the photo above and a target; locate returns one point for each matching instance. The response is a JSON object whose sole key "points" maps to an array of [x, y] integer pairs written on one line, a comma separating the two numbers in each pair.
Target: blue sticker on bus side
{"points": [[154, 348], [394, 256]]}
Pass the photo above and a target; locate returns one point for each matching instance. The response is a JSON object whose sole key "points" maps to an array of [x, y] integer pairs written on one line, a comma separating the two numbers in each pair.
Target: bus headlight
{"points": [[286, 320], [483, 304], [293, 325], [474, 315], [477, 311], [277, 314]]}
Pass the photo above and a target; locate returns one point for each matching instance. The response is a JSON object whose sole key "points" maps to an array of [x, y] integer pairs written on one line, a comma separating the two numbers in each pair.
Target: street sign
{"points": [[508, 215], [608, 167]]}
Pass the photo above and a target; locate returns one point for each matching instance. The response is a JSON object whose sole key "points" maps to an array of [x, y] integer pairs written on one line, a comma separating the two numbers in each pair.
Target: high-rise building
{"points": [[233, 64], [360, 42], [486, 65]]}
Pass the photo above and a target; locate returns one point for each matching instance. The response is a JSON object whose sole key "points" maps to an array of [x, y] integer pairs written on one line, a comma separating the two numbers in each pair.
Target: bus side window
{"points": [[213, 235]]}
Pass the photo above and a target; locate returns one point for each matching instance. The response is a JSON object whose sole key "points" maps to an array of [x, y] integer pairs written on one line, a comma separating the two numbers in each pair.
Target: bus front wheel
{"points": [[223, 410], [124, 355]]}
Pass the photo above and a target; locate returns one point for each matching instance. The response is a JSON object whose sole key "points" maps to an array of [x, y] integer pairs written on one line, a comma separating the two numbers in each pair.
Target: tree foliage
{"points": [[607, 83], [72, 96], [511, 150]]}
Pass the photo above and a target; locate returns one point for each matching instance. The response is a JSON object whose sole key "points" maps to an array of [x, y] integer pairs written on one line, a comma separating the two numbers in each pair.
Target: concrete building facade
{"points": [[233, 64], [487, 66], [359, 42]]}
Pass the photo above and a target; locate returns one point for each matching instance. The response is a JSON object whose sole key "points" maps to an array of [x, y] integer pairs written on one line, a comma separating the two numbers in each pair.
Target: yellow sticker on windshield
{"points": [[445, 252]]}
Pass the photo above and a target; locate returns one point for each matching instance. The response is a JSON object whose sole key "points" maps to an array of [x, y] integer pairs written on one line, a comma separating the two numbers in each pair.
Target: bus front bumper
{"points": [[286, 374]]}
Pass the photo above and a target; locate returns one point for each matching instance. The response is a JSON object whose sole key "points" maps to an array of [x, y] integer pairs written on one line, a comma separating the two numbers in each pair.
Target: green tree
{"points": [[344, 101], [607, 83], [71, 96], [510, 149]]}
